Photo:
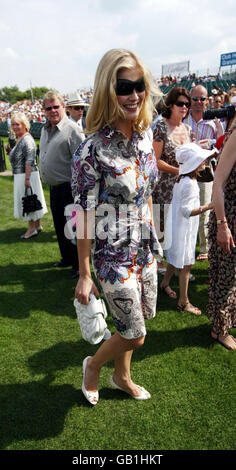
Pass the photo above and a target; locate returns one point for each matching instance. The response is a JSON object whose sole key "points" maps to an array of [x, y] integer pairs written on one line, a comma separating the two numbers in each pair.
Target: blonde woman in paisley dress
{"points": [[170, 133], [115, 167], [222, 250]]}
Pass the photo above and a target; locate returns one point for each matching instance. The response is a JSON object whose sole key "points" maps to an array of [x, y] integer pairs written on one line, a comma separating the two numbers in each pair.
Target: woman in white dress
{"points": [[183, 220], [26, 174]]}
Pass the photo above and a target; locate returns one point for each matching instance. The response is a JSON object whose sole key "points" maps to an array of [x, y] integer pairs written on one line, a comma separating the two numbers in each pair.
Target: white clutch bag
{"points": [[92, 321]]}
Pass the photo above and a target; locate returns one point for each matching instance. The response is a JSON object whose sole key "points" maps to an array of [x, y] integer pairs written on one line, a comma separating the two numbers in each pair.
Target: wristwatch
{"points": [[220, 221]]}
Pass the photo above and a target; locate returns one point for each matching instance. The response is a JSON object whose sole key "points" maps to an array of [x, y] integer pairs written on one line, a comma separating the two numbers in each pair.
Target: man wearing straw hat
{"points": [[76, 106]]}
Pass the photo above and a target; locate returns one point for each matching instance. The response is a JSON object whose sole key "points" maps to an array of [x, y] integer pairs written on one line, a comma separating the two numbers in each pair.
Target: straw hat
{"points": [[76, 100]]}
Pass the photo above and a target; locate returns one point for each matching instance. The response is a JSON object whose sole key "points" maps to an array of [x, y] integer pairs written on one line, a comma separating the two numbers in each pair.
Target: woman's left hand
{"points": [[27, 183], [224, 238]]}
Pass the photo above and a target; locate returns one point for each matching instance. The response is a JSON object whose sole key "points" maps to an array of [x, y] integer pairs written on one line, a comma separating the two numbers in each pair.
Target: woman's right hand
{"points": [[224, 238], [85, 286]]}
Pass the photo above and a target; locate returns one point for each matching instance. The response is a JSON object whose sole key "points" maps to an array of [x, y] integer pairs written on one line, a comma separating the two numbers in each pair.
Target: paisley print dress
{"points": [[115, 177]]}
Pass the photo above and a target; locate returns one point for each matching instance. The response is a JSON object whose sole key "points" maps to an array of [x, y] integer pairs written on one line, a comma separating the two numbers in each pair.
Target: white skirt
{"points": [[19, 192]]}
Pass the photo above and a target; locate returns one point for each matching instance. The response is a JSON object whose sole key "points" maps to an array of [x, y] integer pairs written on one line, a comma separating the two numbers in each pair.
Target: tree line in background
{"points": [[13, 94]]}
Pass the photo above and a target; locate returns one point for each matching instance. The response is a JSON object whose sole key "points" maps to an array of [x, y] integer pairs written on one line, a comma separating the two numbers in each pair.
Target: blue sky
{"points": [[58, 43]]}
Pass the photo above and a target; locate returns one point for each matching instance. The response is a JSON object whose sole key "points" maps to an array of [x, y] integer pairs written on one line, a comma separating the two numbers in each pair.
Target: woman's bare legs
{"points": [[183, 284], [120, 350], [31, 227], [183, 291], [37, 224], [166, 281]]}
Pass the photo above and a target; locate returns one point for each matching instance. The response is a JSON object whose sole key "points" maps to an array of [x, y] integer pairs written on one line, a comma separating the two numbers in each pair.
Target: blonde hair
{"points": [[18, 116], [105, 109], [52, 95]]}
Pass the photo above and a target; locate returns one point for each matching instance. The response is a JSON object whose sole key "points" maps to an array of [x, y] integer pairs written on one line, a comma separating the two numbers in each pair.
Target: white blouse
{"points": [[181, 229]]}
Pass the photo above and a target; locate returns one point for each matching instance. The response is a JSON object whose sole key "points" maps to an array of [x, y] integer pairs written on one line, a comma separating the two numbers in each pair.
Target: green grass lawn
{"points": [[189, 376]]}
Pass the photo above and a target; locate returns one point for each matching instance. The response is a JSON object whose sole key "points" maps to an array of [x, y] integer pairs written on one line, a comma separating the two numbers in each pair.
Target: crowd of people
{"points": [[34, 109], [131, 175], [195, 79]]}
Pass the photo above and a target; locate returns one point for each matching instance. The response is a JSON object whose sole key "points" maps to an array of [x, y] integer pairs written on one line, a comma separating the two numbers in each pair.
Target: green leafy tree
{"points": [[13, 94]]}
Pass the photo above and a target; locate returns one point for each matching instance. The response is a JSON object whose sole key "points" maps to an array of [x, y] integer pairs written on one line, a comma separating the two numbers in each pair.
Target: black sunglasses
{"points": [[77, 107], [180, 104], [49, 108], [201, 98], [126, 87]]}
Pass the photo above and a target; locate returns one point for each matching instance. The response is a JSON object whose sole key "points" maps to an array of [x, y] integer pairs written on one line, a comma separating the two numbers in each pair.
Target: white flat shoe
{"points": [[31, 234], [92, 397], [145, 395]]}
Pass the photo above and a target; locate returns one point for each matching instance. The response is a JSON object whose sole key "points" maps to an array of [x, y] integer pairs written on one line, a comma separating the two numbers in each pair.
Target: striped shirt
{"points": [[201, 129]]}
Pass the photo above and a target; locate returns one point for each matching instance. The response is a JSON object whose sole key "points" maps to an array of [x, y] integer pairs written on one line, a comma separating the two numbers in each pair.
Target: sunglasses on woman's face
{"points": [[126, 87], [180, 104]]}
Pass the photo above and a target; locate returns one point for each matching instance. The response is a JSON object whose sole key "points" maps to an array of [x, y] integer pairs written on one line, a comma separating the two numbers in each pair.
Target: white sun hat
{"points": [[190, 156], [76, 100]]}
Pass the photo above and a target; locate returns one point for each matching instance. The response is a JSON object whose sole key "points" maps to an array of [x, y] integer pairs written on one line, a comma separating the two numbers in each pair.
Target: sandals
{"points": [[144, 395], [168, 291], [228, 341], [188, 308], [92, 397], [202, 257], [30, 235]]}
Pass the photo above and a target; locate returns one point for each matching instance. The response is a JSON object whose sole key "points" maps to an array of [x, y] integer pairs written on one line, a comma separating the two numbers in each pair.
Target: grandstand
{"points": [[224, 84]]}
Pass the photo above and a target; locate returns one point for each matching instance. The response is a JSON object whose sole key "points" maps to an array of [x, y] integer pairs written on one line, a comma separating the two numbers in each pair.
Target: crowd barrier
{"points": [[35, 129]]}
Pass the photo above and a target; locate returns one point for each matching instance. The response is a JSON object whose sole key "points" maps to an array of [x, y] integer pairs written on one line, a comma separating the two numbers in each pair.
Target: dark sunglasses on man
{"points": [[199, 98], [126, 87], [49, 108], [77, 108]]}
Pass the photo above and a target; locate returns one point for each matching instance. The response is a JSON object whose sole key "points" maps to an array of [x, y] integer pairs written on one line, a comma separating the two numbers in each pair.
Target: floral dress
{"points": [[164, 189], [115, 177], [221, 307]]}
